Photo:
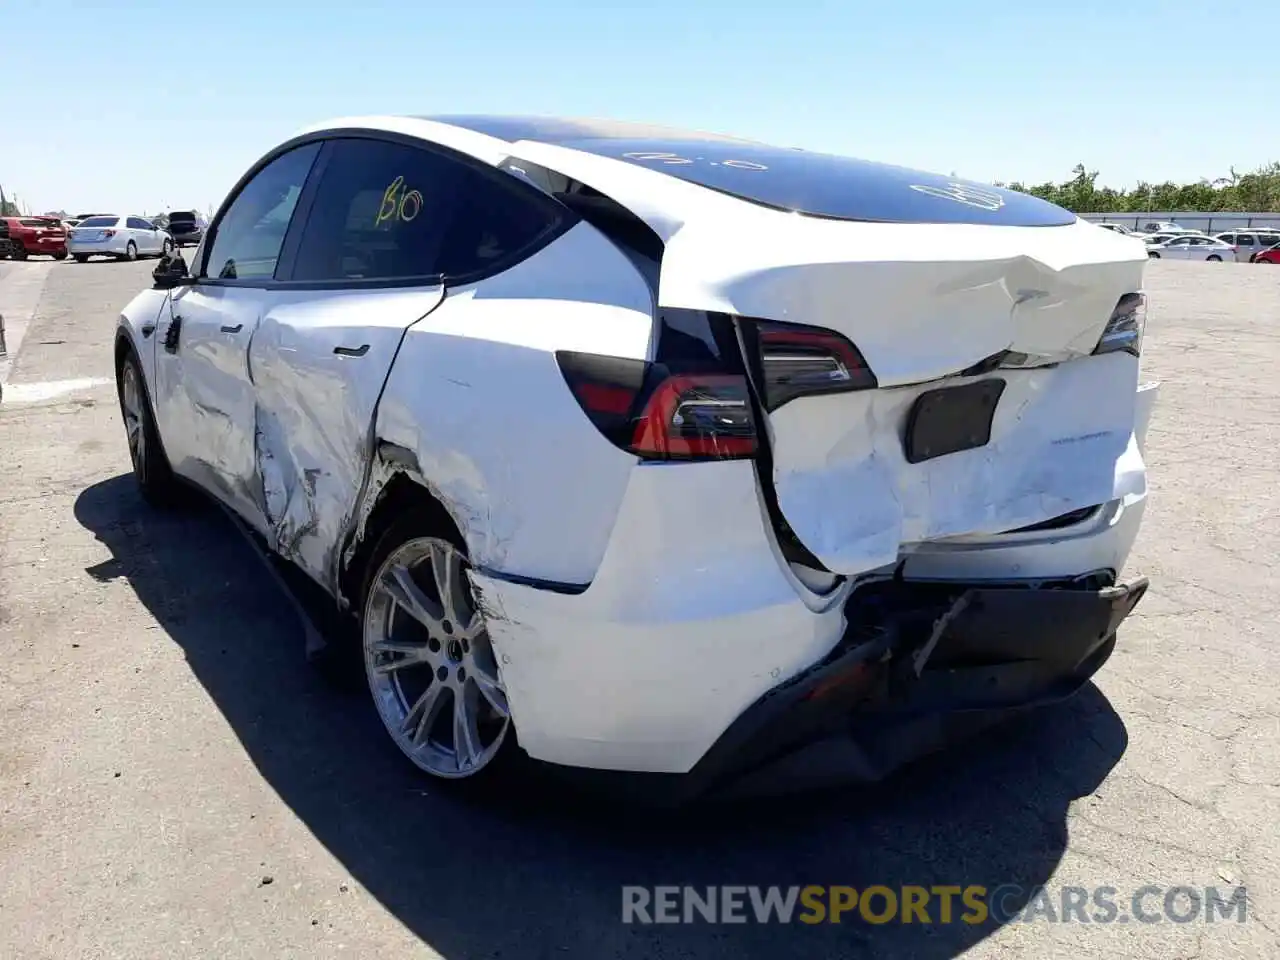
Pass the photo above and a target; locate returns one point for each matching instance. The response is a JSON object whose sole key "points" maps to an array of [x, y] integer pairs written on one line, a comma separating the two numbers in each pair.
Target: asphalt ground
{"points": [[175, 780]]}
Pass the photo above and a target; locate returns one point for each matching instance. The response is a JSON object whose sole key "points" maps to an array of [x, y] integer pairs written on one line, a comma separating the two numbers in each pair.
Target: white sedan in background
{"points": [[125, 238], [1190, 248]]}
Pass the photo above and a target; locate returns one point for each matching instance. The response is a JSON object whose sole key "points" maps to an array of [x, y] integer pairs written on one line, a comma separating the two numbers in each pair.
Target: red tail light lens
{"points": [[799, 361], [696, 418], [647, 410]]}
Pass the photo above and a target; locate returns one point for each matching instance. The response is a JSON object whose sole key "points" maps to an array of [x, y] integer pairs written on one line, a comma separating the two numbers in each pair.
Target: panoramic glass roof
{"points": [[816, 184]]}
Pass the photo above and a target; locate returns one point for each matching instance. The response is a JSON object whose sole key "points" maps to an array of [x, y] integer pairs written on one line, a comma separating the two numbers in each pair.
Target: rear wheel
{"points": [[60, 255], [150, 465], [131, 251], [17, 251], [1153, 255], [81, 257], [1214, 258], [431, 668]]}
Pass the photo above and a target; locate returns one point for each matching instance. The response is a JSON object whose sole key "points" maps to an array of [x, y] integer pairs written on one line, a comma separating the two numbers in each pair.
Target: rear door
{"points": [[364, 268], [204, 391]]}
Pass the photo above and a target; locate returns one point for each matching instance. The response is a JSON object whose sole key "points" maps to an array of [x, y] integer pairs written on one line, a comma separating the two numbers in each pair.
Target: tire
{"points": [[1213, 258], [131, 251], [17, 251], [166, 248], [60, 255], [151, 467], [81, 257], [1152, 255], [447, 674]]}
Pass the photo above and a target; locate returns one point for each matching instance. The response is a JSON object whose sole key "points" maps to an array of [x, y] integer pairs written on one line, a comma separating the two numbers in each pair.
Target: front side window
{"points": [[390, 211], [248, 238]]}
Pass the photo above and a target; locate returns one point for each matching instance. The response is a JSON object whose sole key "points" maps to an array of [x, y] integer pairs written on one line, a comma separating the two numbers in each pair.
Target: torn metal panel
{"points": [[478, 398], [320, 361]]}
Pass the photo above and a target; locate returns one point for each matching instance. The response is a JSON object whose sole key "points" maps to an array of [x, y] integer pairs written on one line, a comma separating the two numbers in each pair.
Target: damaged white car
{"points": [[712, 465]]}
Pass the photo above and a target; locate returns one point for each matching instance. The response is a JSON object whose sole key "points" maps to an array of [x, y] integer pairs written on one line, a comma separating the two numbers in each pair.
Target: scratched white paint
{"points": [[477, 395], [691, 617], [44, 390]]}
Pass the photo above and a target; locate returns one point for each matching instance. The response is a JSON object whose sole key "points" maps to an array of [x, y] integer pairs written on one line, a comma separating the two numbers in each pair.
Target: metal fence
{"points": [[1193, 220]]}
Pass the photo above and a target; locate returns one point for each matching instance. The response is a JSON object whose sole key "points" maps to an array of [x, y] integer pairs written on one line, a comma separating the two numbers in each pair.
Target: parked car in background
{"points": [[1188, 247], [186, 227], [1117, 228], [1247, 244], [35, 237], [111, 235], [1167, 226], [1268, 256], [580, 509]]}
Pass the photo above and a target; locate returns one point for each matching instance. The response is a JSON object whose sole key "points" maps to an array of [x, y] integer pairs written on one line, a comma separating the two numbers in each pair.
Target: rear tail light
{"points": [[646, 409], [1123, 333], [108, 233], [799, 361]]}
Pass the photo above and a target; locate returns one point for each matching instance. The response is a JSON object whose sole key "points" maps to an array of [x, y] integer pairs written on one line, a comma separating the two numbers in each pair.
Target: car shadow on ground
{"points": [[539, 871]]}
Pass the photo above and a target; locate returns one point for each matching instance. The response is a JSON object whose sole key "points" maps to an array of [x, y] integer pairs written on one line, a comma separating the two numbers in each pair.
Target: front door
{"points": [[206, 404]]}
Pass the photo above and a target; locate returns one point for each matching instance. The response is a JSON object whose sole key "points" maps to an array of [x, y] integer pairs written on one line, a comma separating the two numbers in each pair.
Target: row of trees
{"points": [[1258, 191]]}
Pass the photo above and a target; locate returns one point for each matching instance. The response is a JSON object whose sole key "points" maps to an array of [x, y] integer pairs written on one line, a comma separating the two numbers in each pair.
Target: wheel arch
{"points": [[395, 487]]}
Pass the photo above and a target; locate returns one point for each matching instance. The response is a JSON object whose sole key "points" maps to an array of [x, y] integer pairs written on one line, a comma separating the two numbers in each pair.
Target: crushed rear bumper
{"points": [[921, 665]]}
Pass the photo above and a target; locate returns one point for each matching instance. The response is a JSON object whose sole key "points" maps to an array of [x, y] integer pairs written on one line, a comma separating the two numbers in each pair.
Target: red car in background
{"points": [[33, 237], [1271, 255]]}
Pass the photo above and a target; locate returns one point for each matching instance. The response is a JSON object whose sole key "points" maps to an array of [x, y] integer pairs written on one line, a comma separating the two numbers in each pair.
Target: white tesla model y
{"points": [[673, 455]]}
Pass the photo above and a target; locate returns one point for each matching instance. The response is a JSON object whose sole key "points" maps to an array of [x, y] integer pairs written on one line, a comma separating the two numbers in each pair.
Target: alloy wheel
{"points": [[430, 664], [134, 411]]}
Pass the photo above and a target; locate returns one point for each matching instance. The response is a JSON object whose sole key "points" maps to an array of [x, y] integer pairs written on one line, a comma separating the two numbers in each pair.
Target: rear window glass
{"points": [[181, 216], [824, 185], [98, 222], [39, 222]]}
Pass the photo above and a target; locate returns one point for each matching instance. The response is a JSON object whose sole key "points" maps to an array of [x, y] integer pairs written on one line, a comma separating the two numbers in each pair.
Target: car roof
{"points": [[783, 178]]}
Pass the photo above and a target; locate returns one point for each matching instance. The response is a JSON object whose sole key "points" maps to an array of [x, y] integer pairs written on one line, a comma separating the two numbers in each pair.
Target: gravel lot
{"points": [[175, 781]]}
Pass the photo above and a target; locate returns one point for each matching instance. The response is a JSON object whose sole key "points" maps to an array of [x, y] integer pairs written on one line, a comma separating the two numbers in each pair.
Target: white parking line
{"points": [[49, 389]]}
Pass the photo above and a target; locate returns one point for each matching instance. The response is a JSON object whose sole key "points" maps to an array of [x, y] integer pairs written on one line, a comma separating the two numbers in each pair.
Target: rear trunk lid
{"points": [[1010, 316]]}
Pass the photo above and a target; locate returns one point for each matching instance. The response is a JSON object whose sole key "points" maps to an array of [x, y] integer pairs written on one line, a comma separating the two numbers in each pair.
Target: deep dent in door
{"points": [[317, 394]]}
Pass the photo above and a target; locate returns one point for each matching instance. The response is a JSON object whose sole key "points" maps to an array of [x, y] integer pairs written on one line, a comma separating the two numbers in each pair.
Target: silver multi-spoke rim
{"points": [[431, 666], [131, 402]]}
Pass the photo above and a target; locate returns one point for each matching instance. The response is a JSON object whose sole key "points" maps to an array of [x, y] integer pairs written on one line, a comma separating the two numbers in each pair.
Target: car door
{"points": [[204, 392], [1179, 248], [365, 268]]}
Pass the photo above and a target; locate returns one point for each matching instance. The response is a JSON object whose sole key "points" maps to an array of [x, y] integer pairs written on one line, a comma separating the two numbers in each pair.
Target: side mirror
{"points": [[171, 272]]}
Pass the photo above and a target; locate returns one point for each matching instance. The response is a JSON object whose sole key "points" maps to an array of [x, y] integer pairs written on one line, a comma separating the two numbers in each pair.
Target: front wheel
{"points": [[60, 255], [81, 257], [1152, 255], [430, 665], [150, 464], [166, 248], [1214, 258], [18, 252]]}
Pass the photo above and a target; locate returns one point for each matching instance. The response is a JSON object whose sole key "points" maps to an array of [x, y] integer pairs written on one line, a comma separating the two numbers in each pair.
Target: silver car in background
{"points": [[122, 237], [1248, 243]]}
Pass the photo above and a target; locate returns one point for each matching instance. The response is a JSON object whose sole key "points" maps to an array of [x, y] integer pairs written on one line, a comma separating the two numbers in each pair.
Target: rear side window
{"points": [[98, 222], [137, 223], [390, 211], [1245, 238]]}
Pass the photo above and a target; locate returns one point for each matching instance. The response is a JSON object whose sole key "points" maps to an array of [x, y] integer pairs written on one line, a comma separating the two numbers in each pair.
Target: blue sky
{"points": [[137, 105]]}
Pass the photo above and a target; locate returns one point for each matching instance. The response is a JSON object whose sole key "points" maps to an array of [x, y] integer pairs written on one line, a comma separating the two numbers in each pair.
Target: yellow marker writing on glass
{"points": [[397, 205]]}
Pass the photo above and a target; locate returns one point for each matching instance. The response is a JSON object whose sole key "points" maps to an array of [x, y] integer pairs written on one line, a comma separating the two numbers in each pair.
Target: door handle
{"points": [[233, 329], [359, 351]]}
